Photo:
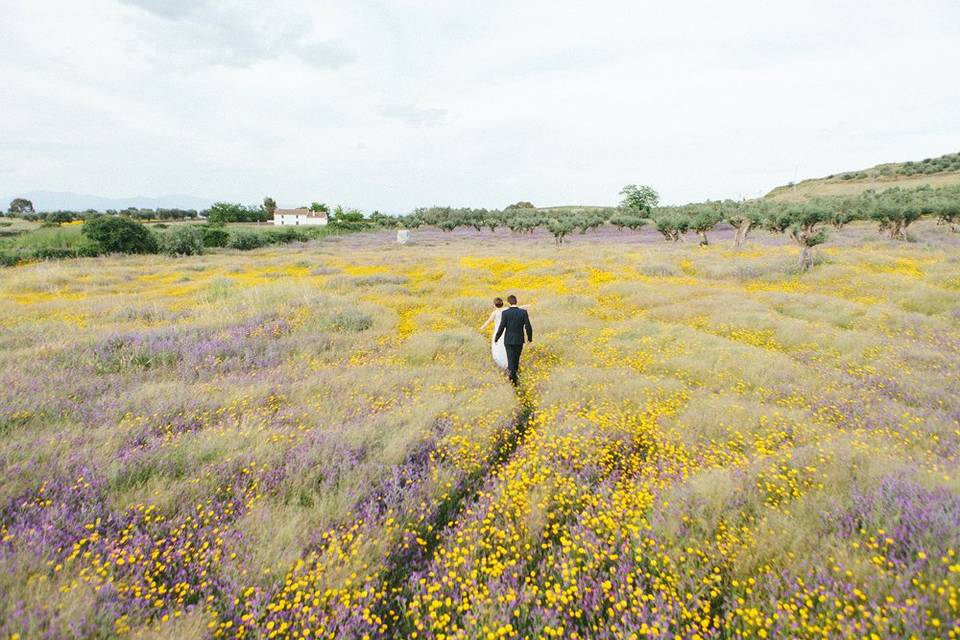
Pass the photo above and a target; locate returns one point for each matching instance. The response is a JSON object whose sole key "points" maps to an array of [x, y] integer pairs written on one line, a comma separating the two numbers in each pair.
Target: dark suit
{"points": [[513, 323]]}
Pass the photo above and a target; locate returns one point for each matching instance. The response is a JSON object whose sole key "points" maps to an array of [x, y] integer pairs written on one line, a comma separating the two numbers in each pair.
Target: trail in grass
{"points": [[398, 576]]}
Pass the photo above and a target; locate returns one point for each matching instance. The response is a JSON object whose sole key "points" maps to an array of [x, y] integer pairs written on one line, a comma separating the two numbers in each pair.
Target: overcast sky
{"points": [[395, 104]]}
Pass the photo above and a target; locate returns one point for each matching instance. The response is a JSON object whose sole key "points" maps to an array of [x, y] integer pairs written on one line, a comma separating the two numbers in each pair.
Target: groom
{"points": [[513, 322]]}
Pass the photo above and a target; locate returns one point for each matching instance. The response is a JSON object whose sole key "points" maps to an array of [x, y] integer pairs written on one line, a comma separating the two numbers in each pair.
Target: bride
{"points": [[498, 350]]}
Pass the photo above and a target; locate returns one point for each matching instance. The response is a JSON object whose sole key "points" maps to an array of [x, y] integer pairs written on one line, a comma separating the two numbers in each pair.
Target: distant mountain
{"points": [[67, 201], [936, 172]]}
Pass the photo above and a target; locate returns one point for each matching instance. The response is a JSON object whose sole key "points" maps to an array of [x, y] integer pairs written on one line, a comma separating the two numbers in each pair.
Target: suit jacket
{"points": [[513, 322]]}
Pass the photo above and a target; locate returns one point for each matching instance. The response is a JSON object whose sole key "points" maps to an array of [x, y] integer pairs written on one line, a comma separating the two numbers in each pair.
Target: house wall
{"points": [[298, 220]]}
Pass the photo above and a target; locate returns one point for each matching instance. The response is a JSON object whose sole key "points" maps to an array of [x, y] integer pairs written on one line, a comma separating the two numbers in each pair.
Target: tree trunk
{"points": [[741, 237], [806, 258], [896, 231], [703, 238]]}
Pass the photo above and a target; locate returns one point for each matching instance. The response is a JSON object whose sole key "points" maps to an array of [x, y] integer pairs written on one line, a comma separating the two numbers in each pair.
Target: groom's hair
{"points": [[498, 302], [512, 299]]}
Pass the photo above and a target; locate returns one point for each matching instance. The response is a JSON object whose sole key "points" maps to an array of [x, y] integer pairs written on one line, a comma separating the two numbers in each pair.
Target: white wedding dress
{"points": [[496, 348]]}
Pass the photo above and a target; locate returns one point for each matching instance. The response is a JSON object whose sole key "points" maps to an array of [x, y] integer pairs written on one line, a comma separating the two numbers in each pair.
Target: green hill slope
{"points": [[936, 172]]}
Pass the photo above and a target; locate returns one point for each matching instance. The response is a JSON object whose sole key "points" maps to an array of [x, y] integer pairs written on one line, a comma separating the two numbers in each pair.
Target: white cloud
{"points": [[395, 104]]}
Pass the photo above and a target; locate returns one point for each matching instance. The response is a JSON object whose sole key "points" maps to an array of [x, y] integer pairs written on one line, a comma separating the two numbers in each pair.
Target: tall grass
{"points": [[313, 437]]}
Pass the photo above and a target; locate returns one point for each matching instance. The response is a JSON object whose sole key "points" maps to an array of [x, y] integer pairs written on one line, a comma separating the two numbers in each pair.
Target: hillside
{"points": [[936, 172]]}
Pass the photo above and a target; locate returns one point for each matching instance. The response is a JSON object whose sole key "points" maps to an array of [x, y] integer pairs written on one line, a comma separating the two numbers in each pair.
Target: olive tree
{"points": [[804, 223], [631, 221], [947, 211], [672, 225], [523, 223], [846, 210], [894, 211], [561, 226], [587, 221], [744, 217], [703, 218], [493, 219], [476, 218]]}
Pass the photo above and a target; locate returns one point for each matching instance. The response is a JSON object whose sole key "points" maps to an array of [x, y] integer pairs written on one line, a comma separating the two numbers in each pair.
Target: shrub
{"points": [[350, 320], [285, 236], [56, 253], [119, 234], [184, 240], [59, 217], [246, 240], [214, 236]]}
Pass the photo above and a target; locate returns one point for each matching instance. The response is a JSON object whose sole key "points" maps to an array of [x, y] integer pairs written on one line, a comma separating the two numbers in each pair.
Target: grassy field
{"points": [[312, 441]]}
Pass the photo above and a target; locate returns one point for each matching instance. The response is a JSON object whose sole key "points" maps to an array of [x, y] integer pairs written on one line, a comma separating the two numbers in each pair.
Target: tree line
{"points": [[807, 223]]}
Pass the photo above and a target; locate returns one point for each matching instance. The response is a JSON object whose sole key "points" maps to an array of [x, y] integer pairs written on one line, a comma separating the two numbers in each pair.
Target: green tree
{"points": [[525, 223], [561, 226], [119, 234], [475, 218], [319, 207], [449, 224], [894, 210], [619, 220], [804, 223], [947, 210], [639, 198], [383, 220], [587, 221], [410, 221], [703, 218], [20, 206], [744, 217], [671, 225], [269, 207], [846, 210], [631, 221], [220, 213], [493, 219]]}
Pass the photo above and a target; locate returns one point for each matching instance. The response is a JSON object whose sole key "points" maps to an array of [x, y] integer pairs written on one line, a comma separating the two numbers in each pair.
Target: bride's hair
{"points": [[498, 302]]}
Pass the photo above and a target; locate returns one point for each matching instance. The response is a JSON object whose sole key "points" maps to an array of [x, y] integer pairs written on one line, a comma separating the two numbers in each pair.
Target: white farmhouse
{"points": [[301, 216]]}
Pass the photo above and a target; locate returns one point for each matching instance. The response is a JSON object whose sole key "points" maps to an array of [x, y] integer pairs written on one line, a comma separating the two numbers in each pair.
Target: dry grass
{"points": [[320, 440]]}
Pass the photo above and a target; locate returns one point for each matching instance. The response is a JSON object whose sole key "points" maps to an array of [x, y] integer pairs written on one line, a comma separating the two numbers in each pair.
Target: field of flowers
{"points": [[313, 441]]}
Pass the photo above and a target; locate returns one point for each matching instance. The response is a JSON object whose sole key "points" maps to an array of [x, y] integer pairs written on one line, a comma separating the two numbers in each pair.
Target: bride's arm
{"points": [[489, 320]]}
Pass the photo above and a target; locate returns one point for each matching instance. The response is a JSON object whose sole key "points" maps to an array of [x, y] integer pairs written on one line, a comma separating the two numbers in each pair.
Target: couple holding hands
{"points": [[510, 326]]}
